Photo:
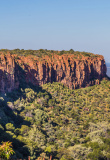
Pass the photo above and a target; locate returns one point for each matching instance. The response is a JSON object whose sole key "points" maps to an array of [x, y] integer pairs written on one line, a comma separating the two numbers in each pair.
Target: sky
{"points": [[82, 25]]}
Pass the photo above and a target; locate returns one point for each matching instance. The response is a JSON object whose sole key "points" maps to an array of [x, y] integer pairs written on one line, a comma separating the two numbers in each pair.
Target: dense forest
{"points": [[53, 120]]}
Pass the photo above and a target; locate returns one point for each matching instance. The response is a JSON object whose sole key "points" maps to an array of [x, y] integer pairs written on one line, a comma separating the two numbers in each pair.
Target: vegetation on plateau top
{"points": [[42, 52]]}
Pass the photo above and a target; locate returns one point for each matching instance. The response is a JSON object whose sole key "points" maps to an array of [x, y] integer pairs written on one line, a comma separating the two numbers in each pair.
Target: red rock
{"points": [[74, 73]]}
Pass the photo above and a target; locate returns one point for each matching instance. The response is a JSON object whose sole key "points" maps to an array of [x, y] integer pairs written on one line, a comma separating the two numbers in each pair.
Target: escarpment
{"points": [[67, 69], [8, 76]]}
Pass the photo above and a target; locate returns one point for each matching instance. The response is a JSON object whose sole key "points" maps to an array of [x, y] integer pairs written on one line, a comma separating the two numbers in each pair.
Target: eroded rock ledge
{"points": [[67, 69]]}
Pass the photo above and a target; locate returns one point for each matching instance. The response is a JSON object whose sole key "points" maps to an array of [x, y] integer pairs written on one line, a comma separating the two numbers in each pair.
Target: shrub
{"points": [[6, 150]]}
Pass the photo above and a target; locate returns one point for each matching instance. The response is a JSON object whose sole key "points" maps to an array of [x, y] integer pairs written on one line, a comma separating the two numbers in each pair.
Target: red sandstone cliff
{"points": [[75, 73], [8, 78]]}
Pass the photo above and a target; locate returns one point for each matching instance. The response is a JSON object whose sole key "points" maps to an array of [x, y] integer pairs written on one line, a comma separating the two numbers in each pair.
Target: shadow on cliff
{"points": [[21, 77], [13, 118], [92, 78]]}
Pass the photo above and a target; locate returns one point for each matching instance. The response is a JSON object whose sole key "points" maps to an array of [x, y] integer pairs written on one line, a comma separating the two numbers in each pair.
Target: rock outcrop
{"points": [[67, 69], [8, 77]]}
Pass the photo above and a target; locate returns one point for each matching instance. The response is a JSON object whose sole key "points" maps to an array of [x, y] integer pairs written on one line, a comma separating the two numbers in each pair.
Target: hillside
{"points": [[54, 120], [73, 69]]}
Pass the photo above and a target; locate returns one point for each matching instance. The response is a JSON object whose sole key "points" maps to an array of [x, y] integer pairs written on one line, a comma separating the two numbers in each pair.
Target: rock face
{"points": [[8, 77], [67, 69]]}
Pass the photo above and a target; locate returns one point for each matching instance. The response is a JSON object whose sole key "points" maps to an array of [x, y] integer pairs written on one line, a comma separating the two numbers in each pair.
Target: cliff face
{"points": [[75, 73], [8, 77]]}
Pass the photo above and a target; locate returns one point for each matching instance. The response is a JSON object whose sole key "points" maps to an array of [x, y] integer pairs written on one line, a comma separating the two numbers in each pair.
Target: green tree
{"points": [[6, 150], [10, 127]]}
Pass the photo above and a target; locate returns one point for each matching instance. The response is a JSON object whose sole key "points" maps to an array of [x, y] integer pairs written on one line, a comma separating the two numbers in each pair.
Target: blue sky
{"points": [[83, 25]]}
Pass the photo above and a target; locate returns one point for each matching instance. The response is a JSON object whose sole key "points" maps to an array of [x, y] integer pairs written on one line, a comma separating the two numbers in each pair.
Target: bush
{"points": [[6, 150]]}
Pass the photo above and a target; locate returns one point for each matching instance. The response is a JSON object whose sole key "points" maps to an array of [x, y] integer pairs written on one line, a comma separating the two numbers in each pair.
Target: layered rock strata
{"points": [[67, 69]]}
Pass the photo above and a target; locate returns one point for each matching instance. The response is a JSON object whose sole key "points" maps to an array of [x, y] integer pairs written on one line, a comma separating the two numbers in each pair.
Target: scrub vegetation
{"points": [[53, 120], [43, 52]]}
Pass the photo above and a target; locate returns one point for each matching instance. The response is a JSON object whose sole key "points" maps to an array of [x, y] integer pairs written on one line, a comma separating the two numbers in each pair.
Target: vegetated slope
{"points": [[74, 69], [54, 120]]}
